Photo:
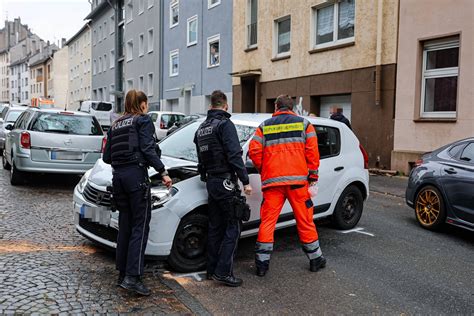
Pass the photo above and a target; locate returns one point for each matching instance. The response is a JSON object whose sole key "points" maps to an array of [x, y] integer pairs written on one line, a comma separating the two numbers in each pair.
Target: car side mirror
{"points": [[9, 127], [250, 167]]}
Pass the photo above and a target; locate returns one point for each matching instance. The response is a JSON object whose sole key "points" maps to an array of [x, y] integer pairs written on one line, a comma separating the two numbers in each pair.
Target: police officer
{"points": [[130, 149], [220, 164]]}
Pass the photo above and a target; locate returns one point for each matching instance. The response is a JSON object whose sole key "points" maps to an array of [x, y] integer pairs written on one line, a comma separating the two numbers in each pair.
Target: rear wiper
{"points": [[56, 131]]}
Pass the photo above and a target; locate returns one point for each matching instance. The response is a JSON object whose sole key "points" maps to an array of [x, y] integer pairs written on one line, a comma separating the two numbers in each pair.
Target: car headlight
{"points": [[83, 182], [160, 196]]}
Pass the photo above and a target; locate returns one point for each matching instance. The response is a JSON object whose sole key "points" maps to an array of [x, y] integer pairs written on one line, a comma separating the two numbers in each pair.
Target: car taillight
{"points": [[365, 155], [25, 140], [418, 162], [104, 142]]}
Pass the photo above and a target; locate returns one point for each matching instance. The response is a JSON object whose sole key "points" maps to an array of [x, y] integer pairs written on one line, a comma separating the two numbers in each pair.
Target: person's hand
{"points": [[314, 182], [247, 189], [167, 181]]}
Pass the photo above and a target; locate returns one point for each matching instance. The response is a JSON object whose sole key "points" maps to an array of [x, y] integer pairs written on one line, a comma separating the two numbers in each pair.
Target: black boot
{"points": [[209, 275], [120, 278], [135, 284], [228, 280], [316, 264], [261, 271]]}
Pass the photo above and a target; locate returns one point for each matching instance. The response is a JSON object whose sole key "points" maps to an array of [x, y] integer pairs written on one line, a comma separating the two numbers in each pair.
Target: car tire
{"points": [[5, 163], [16, 176], [430, 210], [189, 253], [348, 210]]}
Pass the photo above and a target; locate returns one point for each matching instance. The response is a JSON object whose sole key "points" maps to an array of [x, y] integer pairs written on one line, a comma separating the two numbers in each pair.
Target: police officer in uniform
{"points": [[220, 164], [130, 149]]}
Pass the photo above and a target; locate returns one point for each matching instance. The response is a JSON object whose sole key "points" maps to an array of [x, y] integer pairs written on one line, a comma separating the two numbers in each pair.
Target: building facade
{"points": [[39, 72], [4, 76], [197, 53], [57, 76], [324, 53], [434, 78], [79, 68]]}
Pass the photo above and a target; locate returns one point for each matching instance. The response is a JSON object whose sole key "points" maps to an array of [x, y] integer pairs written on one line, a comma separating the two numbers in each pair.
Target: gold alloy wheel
{"points": [[428, 207]]}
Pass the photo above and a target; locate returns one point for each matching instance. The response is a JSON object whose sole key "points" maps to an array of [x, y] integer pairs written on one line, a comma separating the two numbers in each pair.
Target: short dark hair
{"points": [[218, 99], [284, 102]]}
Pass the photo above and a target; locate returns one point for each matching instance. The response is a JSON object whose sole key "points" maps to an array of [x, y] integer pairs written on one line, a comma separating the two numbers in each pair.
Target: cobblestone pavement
{"points": [[47, 267]]}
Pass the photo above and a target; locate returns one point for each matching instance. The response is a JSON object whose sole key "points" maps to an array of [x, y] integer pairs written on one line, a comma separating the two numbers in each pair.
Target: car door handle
{"points": [[338, 168], [450, 170]]}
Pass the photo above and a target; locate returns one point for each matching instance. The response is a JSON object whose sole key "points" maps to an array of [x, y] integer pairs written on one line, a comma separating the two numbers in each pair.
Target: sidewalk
{"points": [[388, 185]]}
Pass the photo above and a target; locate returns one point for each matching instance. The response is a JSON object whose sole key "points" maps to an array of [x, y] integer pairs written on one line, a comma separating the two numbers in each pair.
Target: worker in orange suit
{"points": [[284, 150]]}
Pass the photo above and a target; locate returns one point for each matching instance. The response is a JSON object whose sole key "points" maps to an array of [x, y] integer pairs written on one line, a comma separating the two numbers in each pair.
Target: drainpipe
{"points": [[378, 61], [161, 55]]}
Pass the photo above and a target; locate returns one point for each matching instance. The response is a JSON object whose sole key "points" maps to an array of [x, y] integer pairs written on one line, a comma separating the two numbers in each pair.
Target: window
{"points": [[329, 141], [192, 37], [141, 6], [212, 3], [129, 11], [213, 51], [440, 78], [94, 38], [252, 17], [94, 69], [141, 45], [104, 69], [150, 85], [112, 24], [283, 36], [151, 3], [112, 59], [105, 30], [99, 70], [99, 34], [174, 63], [151, 40], [334, 24], [129, 84], [174, 13], [130, 50], [468, 153], [112, 97], [141, 83]]}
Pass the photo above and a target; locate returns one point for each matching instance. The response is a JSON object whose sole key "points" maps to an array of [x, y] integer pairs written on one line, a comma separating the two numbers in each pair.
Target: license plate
{"points": [[99, 215], [64, 155]]}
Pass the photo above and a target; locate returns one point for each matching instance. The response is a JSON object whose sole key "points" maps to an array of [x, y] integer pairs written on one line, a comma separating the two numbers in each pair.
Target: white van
{"points": [[100, 109]]}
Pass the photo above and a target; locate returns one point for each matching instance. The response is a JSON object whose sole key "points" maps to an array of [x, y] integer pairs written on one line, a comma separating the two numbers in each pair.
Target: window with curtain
{"points": [[335, 23], [284, 35]]}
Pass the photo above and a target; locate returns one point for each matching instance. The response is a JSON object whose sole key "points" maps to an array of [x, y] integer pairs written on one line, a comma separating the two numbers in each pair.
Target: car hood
{"points": [[101, 173]]}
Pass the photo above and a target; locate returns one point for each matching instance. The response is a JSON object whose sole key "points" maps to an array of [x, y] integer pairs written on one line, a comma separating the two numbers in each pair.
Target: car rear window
{"points": [[102, 106], [329, 141], [12, 116], [168, 120], [66, 124]]}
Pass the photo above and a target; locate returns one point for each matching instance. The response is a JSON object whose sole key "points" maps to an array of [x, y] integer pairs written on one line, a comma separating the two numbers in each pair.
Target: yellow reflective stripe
{"points": [[282, 128]]}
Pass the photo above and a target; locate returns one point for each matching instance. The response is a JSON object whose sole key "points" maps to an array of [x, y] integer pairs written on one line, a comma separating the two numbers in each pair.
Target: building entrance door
{"points": [[249, 87]]}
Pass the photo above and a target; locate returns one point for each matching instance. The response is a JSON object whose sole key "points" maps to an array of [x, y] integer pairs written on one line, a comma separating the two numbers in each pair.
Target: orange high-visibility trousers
{"points": [[300, 201]]}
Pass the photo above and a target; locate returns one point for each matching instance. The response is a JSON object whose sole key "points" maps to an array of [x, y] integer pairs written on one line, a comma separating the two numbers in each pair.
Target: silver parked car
{"points": [[8, 116], [51, 141]]}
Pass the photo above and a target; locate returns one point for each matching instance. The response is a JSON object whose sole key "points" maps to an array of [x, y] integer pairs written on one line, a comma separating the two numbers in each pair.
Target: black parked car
{"points": [[441, 186]]}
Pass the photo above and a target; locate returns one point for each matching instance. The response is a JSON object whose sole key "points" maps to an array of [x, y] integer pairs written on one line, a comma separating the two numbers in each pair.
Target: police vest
{"points": [[124, 142], [211, 151]]}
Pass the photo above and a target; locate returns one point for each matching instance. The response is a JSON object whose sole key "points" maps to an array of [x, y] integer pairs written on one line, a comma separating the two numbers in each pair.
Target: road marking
{"points": [[359, 230], [194, 275]]}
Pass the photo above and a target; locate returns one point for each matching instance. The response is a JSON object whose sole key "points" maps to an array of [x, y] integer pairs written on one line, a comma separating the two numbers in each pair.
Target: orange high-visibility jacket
{"points": [[285, 151]]}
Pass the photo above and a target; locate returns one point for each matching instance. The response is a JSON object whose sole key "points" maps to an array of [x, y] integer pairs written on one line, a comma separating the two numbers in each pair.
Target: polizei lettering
{"points": [[205, 131], [123, 123]]}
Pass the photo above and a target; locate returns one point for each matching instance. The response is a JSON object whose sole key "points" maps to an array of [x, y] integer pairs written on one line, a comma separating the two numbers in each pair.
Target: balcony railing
{"points": [[252, 34]]}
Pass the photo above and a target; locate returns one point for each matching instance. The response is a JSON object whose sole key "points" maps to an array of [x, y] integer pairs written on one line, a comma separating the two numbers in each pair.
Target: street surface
{"points": [[388, 265]]}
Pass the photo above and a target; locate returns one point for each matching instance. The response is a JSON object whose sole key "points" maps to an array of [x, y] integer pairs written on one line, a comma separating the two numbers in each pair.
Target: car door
{"points": [[14, 135], [457, 179]]}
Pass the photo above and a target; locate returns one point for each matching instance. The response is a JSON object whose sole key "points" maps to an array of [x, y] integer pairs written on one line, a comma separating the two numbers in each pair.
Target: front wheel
{"points": [[348, 208], [188, 253]]}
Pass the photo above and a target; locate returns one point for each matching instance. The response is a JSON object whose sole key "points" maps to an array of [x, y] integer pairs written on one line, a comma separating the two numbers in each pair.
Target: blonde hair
{"points": [[133, 99]]}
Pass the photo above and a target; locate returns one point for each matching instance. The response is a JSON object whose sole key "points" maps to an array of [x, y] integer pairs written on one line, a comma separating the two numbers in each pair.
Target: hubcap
{"points": [[428, 207], [349, 206], [192, 242]]}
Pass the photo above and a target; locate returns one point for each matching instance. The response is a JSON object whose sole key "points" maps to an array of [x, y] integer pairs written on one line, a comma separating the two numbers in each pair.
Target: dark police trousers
{"points": [[132, 194], [224, 231]]}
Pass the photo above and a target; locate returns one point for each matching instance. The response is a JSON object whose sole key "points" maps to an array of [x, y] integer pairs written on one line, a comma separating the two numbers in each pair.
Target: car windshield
{"points": [[66, 124], [102, 106], [12, 116], [180, 144]]}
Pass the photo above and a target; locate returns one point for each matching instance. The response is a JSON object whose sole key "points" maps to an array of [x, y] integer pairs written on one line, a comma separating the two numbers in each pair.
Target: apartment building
{"points": [[57, 76], [103, 41], [4, 76], [324, 53], [40, 72], [79, 67], [434, 78], [197, 53]]}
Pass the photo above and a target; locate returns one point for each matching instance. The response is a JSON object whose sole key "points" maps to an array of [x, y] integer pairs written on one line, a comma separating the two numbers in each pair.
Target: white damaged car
{"points": [[178, 227]]}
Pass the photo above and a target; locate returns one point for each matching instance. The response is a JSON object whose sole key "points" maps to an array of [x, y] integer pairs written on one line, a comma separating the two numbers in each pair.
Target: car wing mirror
{"points": [[250, 167], [9, 127]]}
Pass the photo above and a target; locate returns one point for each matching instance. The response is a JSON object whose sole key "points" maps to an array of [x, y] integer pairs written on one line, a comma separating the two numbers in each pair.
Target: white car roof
{"points": [[57, 110], [166, 112]]}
